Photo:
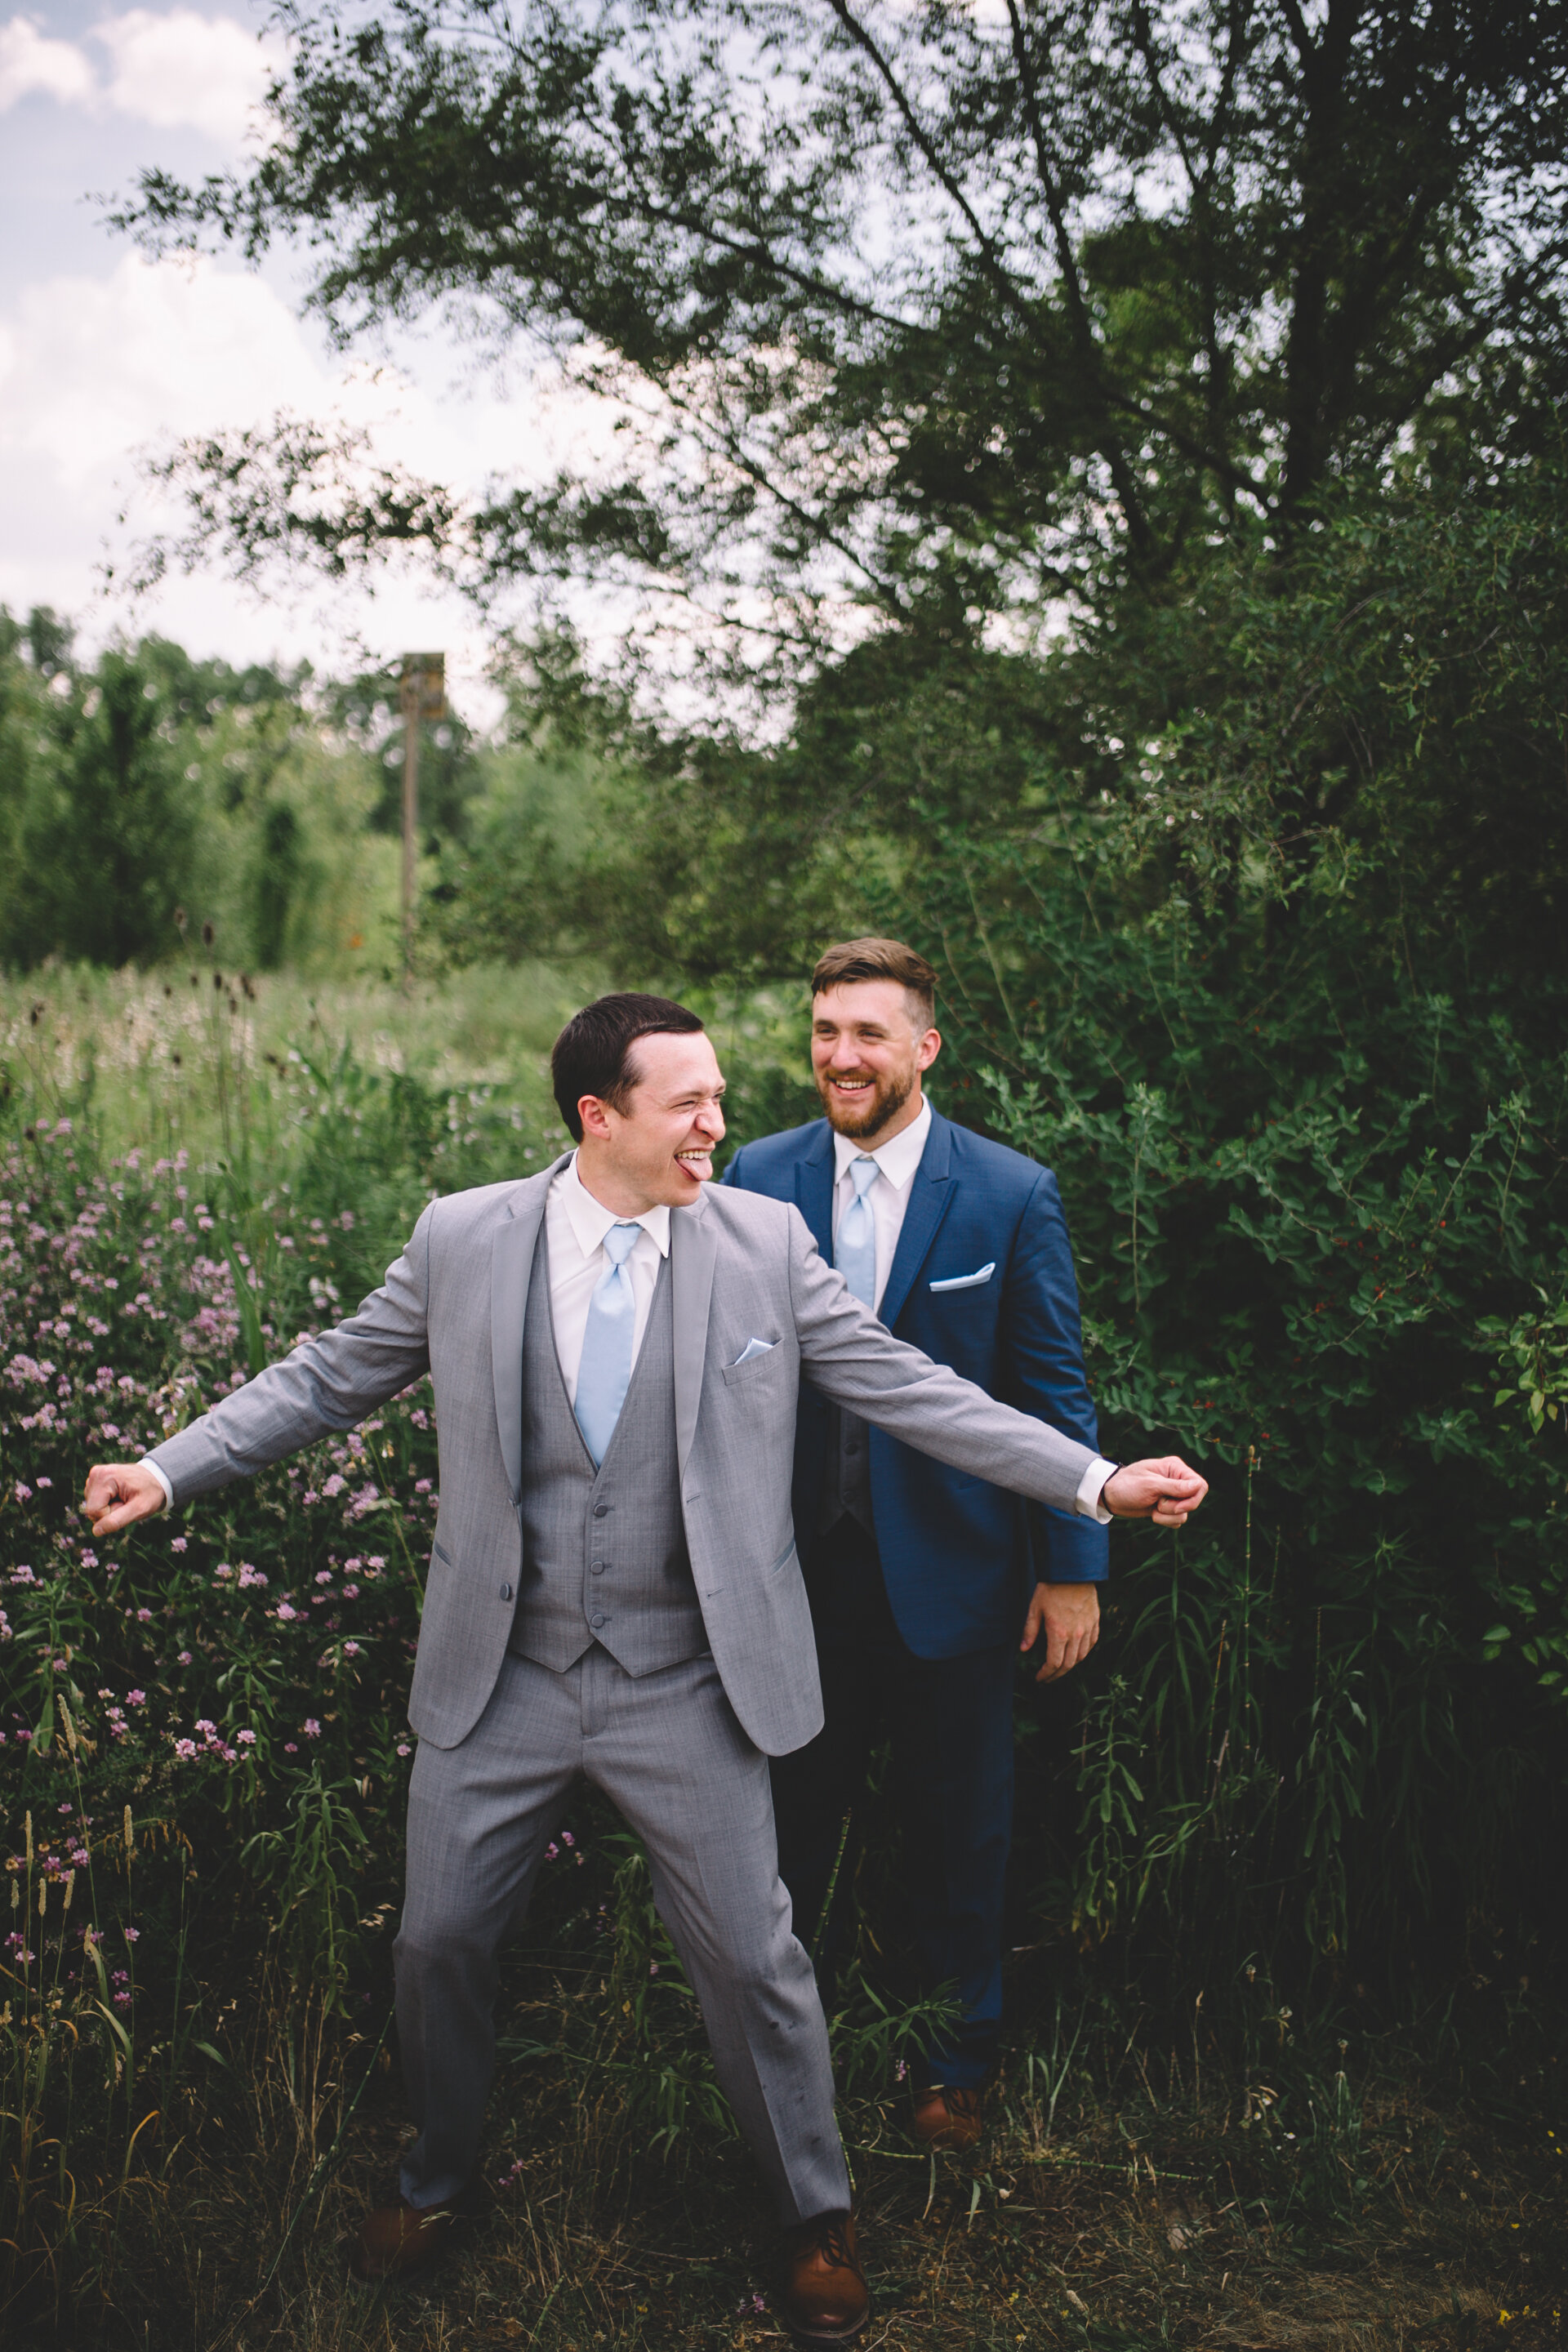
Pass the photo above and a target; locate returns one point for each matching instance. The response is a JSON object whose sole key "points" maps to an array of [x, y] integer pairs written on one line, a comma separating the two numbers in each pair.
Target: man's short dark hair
{"points": [[593, 1054], [854, 959]]}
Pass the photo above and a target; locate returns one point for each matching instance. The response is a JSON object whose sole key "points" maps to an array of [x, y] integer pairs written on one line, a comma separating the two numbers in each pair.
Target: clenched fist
{"points": [[1164, 1490], [118, 1494]]}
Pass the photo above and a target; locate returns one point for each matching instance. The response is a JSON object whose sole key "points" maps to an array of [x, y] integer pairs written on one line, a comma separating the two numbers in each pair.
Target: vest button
{"points": [[595, 1623], [599, 1509], [595, 1567], [506, 1592]]}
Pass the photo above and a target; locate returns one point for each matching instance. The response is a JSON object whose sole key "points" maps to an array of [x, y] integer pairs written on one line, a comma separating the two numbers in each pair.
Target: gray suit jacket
{"points": [[742, 1267]]}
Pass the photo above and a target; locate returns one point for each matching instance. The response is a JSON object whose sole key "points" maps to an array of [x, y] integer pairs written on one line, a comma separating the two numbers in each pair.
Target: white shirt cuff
{"points": [[1091, 1486], [147, 1462]]}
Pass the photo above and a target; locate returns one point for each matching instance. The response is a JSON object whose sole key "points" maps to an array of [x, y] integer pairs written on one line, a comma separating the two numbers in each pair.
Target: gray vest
{"points": [[604, 1552]]}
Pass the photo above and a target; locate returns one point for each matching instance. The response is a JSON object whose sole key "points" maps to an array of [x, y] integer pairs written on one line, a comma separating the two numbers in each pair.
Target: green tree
{"points": [[109, 826], [149, 782], [940, 311]]}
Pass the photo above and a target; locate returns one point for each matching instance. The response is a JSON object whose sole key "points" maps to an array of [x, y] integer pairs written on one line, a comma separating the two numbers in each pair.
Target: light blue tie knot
{"points": [[855, 1252], [604, 1372]]}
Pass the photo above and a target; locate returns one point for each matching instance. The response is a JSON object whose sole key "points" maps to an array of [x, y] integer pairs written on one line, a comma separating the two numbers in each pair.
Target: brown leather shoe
{"points": [[400, 2241], [946, 2117], [824, 2298]]}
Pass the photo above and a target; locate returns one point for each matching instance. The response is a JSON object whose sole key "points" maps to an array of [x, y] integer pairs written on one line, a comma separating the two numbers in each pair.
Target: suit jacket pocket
{"points": [[965, 1281], [768, 1361]]}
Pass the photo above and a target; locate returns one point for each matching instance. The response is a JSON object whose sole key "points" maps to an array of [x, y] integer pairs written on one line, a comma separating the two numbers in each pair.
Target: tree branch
{"points": [[1084, 337], [996, 270]]}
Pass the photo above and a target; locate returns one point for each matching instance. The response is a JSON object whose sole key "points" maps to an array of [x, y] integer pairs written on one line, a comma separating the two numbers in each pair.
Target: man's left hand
{"points": [[1070, 1616]]}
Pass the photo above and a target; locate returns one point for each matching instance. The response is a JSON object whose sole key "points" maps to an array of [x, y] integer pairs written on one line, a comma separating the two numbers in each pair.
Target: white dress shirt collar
{"points": [[591, 1221], [897, 1159]]}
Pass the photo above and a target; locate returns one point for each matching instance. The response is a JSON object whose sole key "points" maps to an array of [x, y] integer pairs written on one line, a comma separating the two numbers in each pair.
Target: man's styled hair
{"points": [[877, 960], [593, 1054]]}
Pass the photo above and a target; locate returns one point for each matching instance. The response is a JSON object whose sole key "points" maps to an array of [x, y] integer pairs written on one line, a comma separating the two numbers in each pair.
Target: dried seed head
{"points": [[128, 1833], [70, 1883], [43, 1896], [29, 1841]]}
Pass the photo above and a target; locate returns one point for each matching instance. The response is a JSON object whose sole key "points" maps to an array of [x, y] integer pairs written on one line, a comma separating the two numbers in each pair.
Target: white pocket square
{"points": [[967, 1281], [753, 1349]]}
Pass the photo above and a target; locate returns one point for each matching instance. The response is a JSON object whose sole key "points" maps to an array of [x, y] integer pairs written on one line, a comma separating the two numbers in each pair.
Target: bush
{"points": [[1317, 1210]]}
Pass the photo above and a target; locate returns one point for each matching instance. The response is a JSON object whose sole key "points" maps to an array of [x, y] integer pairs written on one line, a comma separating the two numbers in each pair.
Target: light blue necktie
{"points": [[605, 1373], [855, 1252]]}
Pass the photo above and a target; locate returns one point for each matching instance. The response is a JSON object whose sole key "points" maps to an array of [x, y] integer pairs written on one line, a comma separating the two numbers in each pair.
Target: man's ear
{"points": [[927, 1050], [595, 1118]]}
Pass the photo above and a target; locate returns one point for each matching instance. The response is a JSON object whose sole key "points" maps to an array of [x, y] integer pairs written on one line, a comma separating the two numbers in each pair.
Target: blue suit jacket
{"points": [[959, 1556]]}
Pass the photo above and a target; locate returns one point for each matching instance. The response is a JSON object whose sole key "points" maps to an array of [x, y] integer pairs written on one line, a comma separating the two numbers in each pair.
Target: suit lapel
{"points": [[693, 1244], [512, 1260], [814, 1188], [932, 1190]]}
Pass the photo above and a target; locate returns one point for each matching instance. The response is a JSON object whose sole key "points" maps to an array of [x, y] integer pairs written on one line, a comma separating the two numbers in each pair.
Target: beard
{"points": [[884, 1100]]}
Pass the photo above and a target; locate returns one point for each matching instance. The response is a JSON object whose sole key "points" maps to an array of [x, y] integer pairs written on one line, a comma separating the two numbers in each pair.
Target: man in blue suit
{"points": [[923, 1583]]}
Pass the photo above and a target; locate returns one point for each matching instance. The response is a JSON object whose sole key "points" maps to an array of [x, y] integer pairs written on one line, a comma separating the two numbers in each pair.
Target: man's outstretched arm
{"points": [[325, 1385], [855, 1360]]}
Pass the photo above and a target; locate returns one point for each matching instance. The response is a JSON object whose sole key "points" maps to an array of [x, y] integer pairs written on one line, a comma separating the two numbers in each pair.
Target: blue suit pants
{"points": [[948, 1725]]}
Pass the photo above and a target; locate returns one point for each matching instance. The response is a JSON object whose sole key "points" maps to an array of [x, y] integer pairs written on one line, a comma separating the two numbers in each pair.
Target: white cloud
{"points": [[178, 71], [92, 367], [30, 61], [95, 369]]}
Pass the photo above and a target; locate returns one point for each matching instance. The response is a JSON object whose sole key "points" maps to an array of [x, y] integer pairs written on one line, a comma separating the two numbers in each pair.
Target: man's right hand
{"points": [[1164, 1490], [118, 1494]]}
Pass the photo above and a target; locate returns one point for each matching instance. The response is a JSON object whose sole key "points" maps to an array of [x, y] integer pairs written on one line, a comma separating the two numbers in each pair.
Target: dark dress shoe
{"points": [[824, 2298], [400, 2241], [946, 2117]]}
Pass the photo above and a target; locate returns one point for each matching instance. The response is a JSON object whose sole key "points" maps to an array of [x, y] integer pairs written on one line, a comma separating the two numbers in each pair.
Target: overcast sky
{"points": [[103, 354]]}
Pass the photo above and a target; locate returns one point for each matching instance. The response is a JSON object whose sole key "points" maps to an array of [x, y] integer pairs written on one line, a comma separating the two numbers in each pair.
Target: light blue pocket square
{"points": [[967, 1281], [753, 1349]]}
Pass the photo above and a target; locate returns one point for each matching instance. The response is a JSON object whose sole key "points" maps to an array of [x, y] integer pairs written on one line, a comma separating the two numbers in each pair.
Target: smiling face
{"points": [[660, 1149], [870, 1040]]}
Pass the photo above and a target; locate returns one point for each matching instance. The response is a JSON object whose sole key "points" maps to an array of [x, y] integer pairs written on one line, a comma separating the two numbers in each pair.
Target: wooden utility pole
{"points": [[422, 696]]}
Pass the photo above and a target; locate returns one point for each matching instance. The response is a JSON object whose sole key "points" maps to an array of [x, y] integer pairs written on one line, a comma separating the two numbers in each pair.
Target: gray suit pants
{"points": [[667, 1751]]}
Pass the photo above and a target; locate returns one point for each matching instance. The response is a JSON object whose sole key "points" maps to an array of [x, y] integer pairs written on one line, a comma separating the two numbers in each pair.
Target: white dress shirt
{"points": [[888, 1199], [575, 1226]]}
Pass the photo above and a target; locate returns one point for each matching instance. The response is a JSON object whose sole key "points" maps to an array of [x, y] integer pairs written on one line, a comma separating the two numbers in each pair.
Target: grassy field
{"points": [[187, 1057], [202, 1772], [1116, 2203]]}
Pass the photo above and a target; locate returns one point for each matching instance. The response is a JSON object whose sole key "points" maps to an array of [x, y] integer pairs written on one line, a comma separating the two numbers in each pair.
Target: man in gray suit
{"points": [[614, 1593]]}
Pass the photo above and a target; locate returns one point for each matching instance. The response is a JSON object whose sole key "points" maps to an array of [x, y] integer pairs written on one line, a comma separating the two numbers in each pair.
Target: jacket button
{"points": [[595, 1567], [595, 1623], [506, 1592], [599, 1509]]}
